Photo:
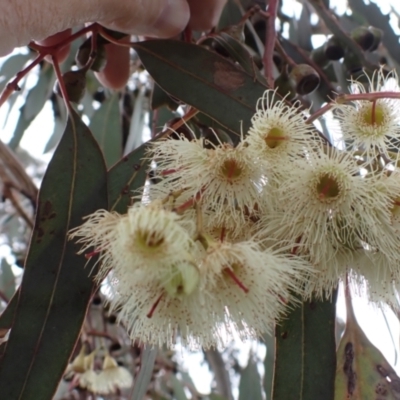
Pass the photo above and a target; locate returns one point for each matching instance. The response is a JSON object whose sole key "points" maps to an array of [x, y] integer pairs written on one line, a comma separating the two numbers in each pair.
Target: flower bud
{"points": [[85, 51], [181, 279], [333, 49], [75, 85], [304, 78], [378, 33], [284, 86], [363, 37], [320, 57]]}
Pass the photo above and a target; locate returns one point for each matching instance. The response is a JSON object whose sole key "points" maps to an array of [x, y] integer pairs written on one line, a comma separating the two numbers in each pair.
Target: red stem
{"points": [[43, 52], [63, 89], [270, 38]]}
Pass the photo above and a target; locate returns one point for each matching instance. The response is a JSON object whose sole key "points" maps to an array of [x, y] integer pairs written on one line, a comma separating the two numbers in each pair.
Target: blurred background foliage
{"points": [[320, 44]]}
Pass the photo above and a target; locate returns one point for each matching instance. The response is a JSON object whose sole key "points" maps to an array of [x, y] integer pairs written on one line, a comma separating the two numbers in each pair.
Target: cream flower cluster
{"points": [[227, 234], [169, 279], [110, 379]]}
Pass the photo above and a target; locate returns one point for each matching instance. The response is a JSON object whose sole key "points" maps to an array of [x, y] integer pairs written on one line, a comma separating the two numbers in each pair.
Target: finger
{"points": [[205, 14], [24, 20], [116, 71]]}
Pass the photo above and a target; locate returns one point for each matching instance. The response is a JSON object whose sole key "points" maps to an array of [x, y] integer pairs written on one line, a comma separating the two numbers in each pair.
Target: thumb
{"points": [[24, 20]]}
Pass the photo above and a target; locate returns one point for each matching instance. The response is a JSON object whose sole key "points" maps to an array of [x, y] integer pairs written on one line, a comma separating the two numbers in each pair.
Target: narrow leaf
{"points": [[268, 365], [305, 358], [106, 127], [11, 66], [362, 371], [56, 286], [146, 372], [7, 279], [250, 382], [7, 316], [179, 391], [34, 103], [203, 79], [128, 175]]}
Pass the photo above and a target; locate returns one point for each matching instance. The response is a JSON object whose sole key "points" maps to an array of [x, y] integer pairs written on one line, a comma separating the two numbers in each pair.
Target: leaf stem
{"points": [[270, 40]]}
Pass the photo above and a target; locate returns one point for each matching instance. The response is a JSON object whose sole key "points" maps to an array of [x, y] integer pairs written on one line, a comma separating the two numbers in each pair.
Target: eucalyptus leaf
{"points": [[305, 356], [362, 371], [250, 382], [179, 391], [106, 127], [34, 103], [146, 372], [203, 79], [56, 286]]}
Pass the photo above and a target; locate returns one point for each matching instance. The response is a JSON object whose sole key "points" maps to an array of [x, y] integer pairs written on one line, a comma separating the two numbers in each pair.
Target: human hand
{"points": [[24, 20]]}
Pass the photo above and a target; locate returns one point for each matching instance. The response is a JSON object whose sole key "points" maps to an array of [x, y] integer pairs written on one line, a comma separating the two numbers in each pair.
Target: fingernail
{"points": [[173, 18]]}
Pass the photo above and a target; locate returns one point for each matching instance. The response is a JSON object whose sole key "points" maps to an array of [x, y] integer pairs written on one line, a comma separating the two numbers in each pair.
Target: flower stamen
{"points": [[154, 306], [274, 138], [327, 187], [230, 272], [92, 253]]}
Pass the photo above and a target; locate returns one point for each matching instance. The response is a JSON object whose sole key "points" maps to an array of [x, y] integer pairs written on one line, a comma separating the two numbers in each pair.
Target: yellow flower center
{"points": [[274, 138], [328, 188], [149, 240], [231, 169], [374, 115]]}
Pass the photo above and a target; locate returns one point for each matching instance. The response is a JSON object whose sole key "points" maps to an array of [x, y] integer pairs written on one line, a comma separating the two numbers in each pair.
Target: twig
{"points": [[43, 52], [270, 42]]}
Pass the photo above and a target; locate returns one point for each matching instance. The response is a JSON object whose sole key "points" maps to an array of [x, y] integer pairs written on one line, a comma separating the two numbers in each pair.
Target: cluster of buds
{"points": [[227, 234], [109, 380]]}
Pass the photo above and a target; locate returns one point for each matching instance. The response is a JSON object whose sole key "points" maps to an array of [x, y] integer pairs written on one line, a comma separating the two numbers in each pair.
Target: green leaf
{"points": [[7, 279], [7, 316], [362, 371], [203, 79], [250, 382], [269, 365], [214, 396], [305, 358], [128, 175], [238, 52], [34, 103], [145, 374], [56, 286], [106, 127], [11, 67], [179, 391], [160, 98]]}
